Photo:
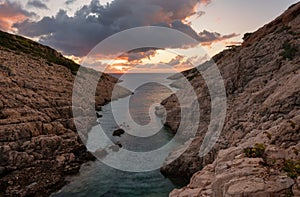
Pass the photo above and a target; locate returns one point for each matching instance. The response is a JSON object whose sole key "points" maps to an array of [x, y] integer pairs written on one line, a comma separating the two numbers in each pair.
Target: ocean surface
{"points": [[144, 132]]}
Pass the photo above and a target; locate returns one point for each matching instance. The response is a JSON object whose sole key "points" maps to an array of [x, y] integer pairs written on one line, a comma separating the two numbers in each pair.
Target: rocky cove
{"points": [[99, 178], [257, 153]]}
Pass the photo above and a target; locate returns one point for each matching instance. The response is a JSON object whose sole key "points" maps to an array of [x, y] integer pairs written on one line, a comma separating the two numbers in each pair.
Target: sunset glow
{"points": [[212, 23], [74, 58], [120, 68]]}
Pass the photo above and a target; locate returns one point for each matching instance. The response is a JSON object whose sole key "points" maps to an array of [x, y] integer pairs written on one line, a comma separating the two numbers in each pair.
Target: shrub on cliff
{"points": [[289, 51], [257, 151]]}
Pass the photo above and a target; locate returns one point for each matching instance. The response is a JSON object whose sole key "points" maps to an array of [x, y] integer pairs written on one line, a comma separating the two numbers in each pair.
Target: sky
{"points": [[75, 27]]}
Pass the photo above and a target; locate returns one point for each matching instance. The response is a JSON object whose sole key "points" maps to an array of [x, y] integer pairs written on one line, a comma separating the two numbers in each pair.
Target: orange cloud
{"points": [[205, 2], [233, 43], [119, 68], [78, 60], [6, 23], [11, 13]]}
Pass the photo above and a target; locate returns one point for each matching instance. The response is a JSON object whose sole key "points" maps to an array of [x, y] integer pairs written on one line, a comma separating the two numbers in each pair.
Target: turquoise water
{"points": [[98, 179]]}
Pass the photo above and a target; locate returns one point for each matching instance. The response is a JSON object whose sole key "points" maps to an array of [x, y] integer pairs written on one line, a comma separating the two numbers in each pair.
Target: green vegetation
{"points": [[289, 51], [292, 168], [257, 151], [28, 47], [289, 192], [293, 124], [269, 135]]}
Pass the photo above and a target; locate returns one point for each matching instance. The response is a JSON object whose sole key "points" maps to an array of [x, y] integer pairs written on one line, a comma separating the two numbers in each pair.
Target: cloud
{"points": [[185, 28], [232, 43], [177, 60], [206, 2], [138, 54], [207, 38], [78, 34], [10, 13], [182, 63], [68, 2], [150, 68], [200, 13], [37, 4]]}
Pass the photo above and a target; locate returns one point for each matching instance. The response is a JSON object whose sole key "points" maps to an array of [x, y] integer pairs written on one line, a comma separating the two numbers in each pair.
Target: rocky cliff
{"points": [[39, 145], [257, 153]]}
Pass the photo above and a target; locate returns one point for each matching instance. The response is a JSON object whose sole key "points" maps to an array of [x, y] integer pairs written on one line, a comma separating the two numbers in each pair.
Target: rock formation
{"points": [[39, 144], [257, 153], [118, 132]]}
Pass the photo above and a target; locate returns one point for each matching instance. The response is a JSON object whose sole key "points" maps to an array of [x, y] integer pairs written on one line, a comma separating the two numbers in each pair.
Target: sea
{"points": [[144, 132]]}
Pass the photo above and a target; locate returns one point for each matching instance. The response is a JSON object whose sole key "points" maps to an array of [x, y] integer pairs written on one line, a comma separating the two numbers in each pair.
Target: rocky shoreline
{"points": [[39, 145], [257, 152]]}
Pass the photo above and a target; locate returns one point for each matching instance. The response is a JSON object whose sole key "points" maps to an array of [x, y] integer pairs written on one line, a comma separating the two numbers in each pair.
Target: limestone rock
{"points": [[263, 88], [39, 145]]}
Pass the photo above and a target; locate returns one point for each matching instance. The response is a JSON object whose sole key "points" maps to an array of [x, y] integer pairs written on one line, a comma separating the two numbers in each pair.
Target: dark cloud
{"points": [[37, 4], [200, 13], [139, 54], [185, 28], [78, 34], [68, 2], [10, 9], [91, 24], [180, 62], [177, 60], [11, 12], [207, 38]]}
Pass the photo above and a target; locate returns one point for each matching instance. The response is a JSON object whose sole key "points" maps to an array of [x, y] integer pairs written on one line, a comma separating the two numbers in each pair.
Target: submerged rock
{"points": [[100, 153], [99, 115], [118, 132], [160, 111]]}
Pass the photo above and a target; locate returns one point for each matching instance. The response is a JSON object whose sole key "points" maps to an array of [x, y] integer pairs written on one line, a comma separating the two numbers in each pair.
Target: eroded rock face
{"points": [[234, 174], [262, 80], [39, 145]]}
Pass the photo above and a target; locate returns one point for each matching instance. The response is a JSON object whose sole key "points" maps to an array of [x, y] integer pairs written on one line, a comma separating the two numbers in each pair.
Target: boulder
{"points": [[118, 132]]}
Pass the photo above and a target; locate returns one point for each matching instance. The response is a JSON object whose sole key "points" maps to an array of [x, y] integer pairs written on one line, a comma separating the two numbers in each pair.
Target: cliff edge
{"points": [[39, 145], [257, 153]]}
